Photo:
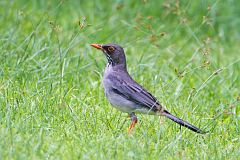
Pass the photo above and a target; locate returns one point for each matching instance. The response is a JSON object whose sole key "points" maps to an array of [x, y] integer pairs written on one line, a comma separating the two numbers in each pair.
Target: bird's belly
{"points": [[125, 105], [121, 103]]}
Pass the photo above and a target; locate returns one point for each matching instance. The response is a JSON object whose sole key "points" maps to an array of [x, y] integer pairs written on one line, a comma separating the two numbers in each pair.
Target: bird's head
{"points": [[114, 53]]}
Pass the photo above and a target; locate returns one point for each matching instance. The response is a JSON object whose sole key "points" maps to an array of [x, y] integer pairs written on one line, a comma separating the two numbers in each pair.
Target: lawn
{"points": [[52, 104]]}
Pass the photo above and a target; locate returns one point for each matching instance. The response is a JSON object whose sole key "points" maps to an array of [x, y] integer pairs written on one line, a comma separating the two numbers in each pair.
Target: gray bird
{"points": [[126, 94]]}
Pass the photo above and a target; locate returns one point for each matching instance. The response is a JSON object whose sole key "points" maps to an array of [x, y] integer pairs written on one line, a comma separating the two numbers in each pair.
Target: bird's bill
{"points": [[98, 46]]}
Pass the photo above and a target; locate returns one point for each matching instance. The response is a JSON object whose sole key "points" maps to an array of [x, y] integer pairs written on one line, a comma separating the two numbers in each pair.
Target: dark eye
{"points": [[111, 49]]}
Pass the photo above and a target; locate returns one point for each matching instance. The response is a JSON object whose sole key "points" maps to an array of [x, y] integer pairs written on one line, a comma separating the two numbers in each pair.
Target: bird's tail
{"points": [[182, 122]]}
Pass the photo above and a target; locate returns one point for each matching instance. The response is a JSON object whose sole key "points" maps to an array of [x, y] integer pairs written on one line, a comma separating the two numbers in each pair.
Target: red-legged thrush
{"points": [[126, 94]]}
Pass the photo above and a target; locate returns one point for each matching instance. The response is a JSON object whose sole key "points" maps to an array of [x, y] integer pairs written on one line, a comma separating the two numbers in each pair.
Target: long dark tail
{"points": [[182, 122]]}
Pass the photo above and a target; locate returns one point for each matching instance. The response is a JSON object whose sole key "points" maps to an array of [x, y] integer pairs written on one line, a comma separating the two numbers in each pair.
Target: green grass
{"points": [[52, 104]]}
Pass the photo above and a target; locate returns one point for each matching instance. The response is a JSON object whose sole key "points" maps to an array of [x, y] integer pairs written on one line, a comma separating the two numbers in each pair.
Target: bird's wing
{"points": [[134, 92]]}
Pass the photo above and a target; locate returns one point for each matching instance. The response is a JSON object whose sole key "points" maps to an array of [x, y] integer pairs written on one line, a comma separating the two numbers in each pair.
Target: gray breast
{"points": [[117, 99], [114, 98]]}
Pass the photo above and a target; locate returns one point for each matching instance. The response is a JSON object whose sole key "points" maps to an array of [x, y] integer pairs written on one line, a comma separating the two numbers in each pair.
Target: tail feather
{"points": [[182, 122]]}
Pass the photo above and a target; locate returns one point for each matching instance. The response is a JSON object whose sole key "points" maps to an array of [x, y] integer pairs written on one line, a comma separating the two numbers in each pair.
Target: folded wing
{"points": [[136, 93]]}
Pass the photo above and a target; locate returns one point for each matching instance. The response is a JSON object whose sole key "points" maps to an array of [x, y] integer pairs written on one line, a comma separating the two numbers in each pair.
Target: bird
{"points": [[125, 94]]}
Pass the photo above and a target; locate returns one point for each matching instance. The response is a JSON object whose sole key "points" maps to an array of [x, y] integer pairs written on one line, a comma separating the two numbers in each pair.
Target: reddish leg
{"points": [[134, 122]]}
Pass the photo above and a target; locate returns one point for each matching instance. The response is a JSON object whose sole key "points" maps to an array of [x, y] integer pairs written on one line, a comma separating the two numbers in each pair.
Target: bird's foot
{"points": [[134, 122]]}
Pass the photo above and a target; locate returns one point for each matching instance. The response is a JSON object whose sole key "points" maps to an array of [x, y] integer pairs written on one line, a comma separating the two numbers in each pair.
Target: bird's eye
{"points": [[111, 49]]}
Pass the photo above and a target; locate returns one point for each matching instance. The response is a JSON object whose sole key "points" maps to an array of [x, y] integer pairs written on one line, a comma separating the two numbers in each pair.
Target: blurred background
{"points": [[52, 104]]}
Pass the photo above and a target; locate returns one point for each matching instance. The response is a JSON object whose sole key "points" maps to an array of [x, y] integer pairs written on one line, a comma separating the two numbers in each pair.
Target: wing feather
{"points": [[134, 92]]}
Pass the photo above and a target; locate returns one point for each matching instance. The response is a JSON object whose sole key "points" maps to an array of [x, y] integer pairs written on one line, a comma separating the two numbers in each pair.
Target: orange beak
{"points": [[98, 46]]}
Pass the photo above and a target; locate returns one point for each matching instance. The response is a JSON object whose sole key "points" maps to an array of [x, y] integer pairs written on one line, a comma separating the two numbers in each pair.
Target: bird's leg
{"points": [[134, 121]]}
